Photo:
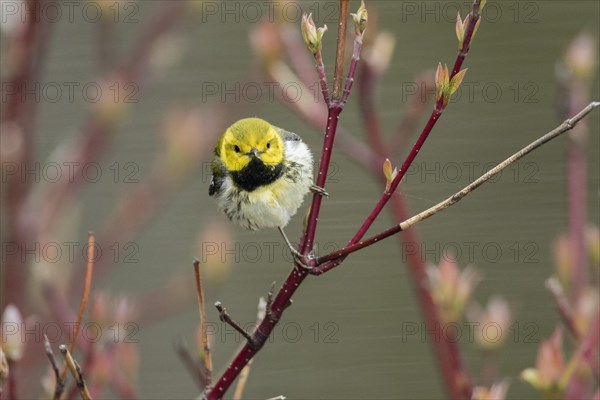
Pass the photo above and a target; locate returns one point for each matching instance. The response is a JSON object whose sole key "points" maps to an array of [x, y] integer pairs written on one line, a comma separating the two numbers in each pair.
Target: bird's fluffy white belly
{"points": [[271, 205]]}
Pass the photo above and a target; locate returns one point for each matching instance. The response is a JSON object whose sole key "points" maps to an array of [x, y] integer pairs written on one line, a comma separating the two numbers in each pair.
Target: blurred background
{"points": [[180, 80]]}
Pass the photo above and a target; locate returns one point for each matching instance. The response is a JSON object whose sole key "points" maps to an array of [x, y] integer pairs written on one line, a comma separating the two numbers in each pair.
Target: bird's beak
{"points": [[253, 152]]}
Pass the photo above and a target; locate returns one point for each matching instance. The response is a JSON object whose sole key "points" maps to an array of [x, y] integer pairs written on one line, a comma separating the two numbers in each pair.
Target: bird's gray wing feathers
{"points": [[219, 172], [287, 136]]}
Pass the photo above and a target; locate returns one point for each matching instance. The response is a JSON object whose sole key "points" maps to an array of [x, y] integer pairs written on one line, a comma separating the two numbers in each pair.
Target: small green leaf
{"points": [[456, 81], [460, 30], [439, 82]]}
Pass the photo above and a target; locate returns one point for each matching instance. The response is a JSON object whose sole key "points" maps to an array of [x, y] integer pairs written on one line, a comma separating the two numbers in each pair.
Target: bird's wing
{"points": [[287, 136], [219, 172]]}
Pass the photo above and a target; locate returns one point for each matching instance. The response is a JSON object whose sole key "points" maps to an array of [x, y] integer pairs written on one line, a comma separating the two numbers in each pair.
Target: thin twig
{"points": [[225, 317], [60, 383], [433, 118], [322, 77], [338, 75], [352, 71], [88, 363], [447, 353], [206, 353], [76, 372], [84, 297], [455, 198], [243, 379], [468, 39]]}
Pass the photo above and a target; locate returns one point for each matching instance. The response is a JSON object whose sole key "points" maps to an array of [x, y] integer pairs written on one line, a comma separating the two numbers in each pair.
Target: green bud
{"points": [[360, 19], [311, 35]]}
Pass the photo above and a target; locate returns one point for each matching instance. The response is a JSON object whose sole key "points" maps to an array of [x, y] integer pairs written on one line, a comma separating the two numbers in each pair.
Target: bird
{"points": [[260, 175]]}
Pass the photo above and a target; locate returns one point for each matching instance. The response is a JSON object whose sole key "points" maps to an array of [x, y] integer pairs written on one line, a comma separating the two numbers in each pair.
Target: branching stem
{"points": [[76, 372], [455, 198], [338, 74], [206, 353], [225, 317]]}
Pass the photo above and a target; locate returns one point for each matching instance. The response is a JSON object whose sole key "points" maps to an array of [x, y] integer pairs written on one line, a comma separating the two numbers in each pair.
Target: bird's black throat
{"points": [[256, 174]]}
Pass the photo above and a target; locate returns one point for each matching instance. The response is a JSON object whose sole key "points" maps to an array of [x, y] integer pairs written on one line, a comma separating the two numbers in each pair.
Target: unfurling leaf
{"points": [[460, 30], [456, 81], [440, 78], [388, 173]]}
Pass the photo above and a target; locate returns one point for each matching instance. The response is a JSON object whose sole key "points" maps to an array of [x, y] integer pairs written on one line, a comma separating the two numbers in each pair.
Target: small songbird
{"points": [[261, 174]]}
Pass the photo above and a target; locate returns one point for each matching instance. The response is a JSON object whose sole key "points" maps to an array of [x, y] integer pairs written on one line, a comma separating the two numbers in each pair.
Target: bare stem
{"points": [[263, 307], [84, 298], [225, 317], [352, 70], [60, 383], [470, 31], [315, 208], [76, 372], [455, 198], [322, 78], [341, 47], [447, 354], [433, 118], [206, 353], [281, 301]]}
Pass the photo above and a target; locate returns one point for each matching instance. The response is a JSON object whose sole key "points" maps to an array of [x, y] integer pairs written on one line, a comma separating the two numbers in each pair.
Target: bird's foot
{"points": [[299, 259], [319, 190]]}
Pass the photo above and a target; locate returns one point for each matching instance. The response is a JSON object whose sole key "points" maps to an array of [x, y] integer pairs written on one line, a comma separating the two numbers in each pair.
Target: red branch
{"points": [[433, 118], [332, 122], [283, 298], [298, 274], [468, 39]]}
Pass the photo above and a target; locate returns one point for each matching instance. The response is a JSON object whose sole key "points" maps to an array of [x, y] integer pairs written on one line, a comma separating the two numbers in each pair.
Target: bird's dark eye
{"points": [[268, 145], [236, 148]]}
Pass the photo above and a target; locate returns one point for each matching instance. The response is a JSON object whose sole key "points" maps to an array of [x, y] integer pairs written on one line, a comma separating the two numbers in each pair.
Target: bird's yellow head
{"points": [[247, 139]]}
